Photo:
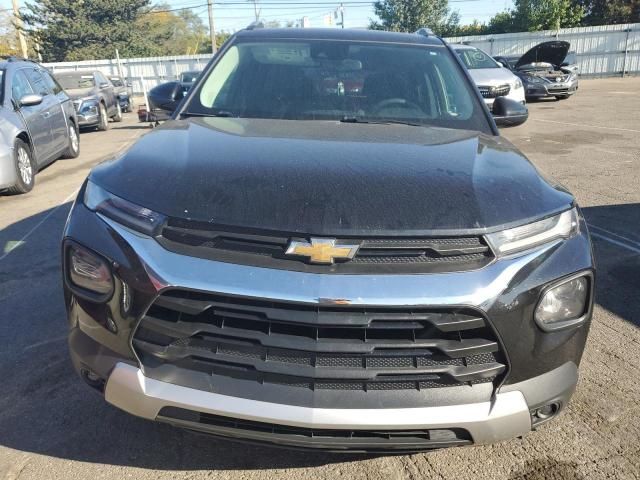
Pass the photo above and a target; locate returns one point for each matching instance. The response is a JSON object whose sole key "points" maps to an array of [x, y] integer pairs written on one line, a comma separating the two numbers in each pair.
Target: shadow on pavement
{"points": [[615, 230], [46, 409]]}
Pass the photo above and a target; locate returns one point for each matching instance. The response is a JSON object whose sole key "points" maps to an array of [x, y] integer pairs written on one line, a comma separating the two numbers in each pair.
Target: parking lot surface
{"points": [[54, 427]]}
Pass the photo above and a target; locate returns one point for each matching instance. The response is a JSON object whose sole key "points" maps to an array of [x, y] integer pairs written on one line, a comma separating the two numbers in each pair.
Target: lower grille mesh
{"points": [[316, 347]]}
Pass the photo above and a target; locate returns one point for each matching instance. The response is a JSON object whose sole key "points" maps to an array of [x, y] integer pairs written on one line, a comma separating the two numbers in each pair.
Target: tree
{"points": [[536, 15], [79, 30], [605, 12], [411, 15], [179, 32], [8, 35]]}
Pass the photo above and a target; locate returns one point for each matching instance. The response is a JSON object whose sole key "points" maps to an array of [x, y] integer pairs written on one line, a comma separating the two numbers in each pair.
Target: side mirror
{"points": [[509, 113], [166, 96], [31, 100], [104, 85], [501, 64], [129, 84]]}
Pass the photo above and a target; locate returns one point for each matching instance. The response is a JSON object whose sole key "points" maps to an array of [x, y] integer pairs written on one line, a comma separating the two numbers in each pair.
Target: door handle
{"points": [[46, 114]]}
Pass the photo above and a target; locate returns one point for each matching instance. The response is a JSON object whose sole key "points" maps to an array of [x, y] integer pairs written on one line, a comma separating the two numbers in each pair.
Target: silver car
{"points": [[38, 123], [491, 78]]}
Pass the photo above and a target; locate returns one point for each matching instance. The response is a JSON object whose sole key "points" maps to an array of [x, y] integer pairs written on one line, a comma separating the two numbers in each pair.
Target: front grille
{"points": [[267, 249], [318, 347], [414, 439], [494, 92]]}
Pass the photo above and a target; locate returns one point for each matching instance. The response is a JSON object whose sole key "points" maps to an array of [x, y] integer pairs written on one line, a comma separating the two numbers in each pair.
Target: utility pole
{"points": [[212, 27], [342, 15], [256, 10], [18, 20]]}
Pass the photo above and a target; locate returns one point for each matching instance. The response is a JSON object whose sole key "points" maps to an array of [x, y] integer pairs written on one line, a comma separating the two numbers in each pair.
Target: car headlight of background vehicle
{"points": [[88, 106], [517, 84], [532, 79], [525, 237], [129, 214]]}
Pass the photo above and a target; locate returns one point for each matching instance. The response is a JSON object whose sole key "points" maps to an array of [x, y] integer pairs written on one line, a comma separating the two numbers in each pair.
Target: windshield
{"points": [[476, 59], [340, 80], [70, 82], [117, 82], [189, 77]]}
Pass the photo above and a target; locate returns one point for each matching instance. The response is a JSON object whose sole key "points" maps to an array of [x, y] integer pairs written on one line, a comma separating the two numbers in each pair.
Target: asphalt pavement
{"points": [[54, 427]]}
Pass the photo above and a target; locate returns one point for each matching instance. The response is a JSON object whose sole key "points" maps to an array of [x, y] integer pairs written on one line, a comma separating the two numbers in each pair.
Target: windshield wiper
{"points": [[220, 113], [353, 119]]}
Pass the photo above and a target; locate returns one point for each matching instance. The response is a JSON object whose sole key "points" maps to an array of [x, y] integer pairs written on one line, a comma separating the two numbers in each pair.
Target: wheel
{"points": [[73, 150], [103, 124], [25, 168], [118, 116]]}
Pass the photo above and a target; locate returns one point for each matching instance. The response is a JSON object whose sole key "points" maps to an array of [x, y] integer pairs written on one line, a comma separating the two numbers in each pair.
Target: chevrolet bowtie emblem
{"points": [[322, 250]]}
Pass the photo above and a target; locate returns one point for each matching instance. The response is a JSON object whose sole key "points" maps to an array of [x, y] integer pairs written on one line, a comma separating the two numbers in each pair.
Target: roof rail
{"points": [[255, 25], [425, 32]]}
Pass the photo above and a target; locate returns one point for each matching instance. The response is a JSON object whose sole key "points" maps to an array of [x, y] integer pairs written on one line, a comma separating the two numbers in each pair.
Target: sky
{"points": [[232, 15]]}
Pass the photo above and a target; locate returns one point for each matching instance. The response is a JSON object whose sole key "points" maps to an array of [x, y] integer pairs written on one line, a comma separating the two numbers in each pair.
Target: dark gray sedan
{"points": [[94, 97], [38, 123]]}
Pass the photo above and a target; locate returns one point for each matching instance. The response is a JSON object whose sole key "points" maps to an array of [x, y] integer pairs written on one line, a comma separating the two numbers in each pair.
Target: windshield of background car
{"points": [[70, 82], [340, 80], [474, 59], [117, 82]]}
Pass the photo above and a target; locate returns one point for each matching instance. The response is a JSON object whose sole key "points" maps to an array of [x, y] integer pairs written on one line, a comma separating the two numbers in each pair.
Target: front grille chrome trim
{"points": [[504, 417], [477, 288]]}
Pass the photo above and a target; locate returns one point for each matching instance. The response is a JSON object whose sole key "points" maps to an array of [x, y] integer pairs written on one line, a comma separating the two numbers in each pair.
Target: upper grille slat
{"points": [[316, 346]]}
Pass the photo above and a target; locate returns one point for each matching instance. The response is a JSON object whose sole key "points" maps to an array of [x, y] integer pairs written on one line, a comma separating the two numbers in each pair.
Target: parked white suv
{"points": [[492, 79]]}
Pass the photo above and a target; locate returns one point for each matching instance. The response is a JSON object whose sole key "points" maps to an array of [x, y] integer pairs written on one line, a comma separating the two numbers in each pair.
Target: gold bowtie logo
{"points": [[322, 250]]}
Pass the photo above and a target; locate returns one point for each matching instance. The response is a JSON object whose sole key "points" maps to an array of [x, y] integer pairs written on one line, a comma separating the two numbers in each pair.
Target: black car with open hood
{"points": [[329, 245]]}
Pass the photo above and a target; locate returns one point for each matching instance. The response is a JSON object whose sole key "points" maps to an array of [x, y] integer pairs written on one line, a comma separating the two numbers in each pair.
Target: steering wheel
{"points": [[398, 102]]}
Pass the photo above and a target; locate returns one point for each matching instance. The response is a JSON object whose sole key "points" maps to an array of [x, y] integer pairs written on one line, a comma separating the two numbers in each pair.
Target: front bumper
{"points": [[88, 120], [505, 416], [534, 90], [542, 365]]}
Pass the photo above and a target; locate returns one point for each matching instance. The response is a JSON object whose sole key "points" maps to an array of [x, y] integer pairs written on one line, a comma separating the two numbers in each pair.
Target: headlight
{"points": [[565, 304], [517, 84], [532, 79], [534, 234], [89, 271], [122, 211]]}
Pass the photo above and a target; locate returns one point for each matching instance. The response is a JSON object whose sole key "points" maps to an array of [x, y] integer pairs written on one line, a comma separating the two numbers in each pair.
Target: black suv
{"points": [[330, 246]]}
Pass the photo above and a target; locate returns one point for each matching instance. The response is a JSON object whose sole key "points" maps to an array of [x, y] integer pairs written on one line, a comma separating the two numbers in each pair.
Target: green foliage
{"points": [[411, 15], [83, 29], [606, 12], [68, 30]]}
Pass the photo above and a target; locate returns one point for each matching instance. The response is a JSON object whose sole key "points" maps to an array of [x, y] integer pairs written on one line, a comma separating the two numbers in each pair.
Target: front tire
{"points": [[103, 122], [25, 168], [73, 150], [118, 116]]}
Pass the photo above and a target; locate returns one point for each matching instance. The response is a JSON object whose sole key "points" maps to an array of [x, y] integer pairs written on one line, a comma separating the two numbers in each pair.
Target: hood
{"points": [[492, 77], [78, 93], [329, 178], [553, 52]]}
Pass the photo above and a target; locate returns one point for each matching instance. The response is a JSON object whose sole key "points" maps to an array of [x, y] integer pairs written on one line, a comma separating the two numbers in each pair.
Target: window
{"points": [[475, 59], [51, 82], [338, 80], [101, 78], [72, 81], [37, 82], [20, 86]]}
